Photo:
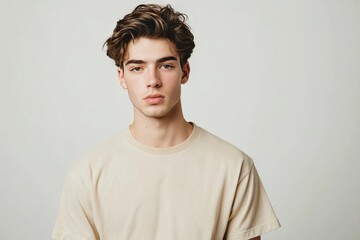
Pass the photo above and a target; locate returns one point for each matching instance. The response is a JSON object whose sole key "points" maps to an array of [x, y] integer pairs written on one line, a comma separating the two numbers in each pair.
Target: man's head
{"points": [[154, 22]]}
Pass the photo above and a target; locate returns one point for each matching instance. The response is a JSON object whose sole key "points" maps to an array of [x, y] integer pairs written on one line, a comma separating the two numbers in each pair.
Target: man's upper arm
{"points": [[252, 214], [75, 217]]}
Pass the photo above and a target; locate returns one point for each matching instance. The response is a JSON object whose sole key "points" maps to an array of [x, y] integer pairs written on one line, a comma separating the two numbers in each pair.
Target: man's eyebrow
{"points": [[164, 59], [134, 61], [160, 60]]}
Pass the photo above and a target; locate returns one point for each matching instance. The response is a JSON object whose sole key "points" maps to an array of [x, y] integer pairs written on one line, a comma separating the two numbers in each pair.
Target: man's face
{"points": [[153, 76]]}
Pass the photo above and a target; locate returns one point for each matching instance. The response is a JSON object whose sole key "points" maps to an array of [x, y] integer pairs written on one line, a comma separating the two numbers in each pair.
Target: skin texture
{"points": [[152, 68]]}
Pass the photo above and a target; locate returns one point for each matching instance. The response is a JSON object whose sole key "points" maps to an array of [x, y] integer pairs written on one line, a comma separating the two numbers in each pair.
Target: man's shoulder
{"points": [[99, 155], [216, 141], [220, 147]]}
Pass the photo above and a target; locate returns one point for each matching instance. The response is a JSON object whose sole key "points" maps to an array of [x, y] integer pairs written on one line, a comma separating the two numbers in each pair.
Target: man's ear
{"points": [[121, 77], [186, 73]]}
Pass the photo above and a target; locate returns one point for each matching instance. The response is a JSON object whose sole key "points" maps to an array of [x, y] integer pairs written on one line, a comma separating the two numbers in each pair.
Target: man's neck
{"points": [[159, 132]]}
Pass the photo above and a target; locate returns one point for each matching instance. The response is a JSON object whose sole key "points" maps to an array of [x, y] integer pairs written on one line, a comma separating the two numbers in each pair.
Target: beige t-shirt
{"points": [[201, 189]]}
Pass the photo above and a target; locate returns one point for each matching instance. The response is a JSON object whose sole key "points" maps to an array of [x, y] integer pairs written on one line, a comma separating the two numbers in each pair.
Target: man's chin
{"points": [[157, 114]]}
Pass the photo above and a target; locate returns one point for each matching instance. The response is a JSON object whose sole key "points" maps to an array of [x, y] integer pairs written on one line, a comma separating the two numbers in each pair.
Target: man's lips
{"points": [[154, 98]]}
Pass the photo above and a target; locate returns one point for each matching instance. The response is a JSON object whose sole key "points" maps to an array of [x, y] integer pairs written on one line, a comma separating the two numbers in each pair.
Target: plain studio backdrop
{"points": [[279, 79]]}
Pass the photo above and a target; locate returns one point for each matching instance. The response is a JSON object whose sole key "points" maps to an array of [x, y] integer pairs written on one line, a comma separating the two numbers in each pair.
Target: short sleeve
{"points": [[74, 220], [252, 214]]}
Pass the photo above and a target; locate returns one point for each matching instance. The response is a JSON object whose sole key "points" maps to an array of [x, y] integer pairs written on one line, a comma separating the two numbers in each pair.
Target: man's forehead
{"points": [[148, 49]]}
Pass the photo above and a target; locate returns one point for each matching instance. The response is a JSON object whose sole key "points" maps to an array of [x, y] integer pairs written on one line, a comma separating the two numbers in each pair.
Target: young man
{"points": [[163, 177]]}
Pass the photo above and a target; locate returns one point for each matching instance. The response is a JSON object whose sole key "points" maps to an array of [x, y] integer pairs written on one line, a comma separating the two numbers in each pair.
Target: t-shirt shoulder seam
{"points": [[250, 169]]}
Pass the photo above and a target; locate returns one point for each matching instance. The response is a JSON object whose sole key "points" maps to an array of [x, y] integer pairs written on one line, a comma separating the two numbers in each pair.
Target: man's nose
{"points": [[153, 79]]}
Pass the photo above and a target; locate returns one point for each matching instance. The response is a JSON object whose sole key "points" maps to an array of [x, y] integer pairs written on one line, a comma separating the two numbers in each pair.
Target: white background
{"points": [[280, 79]]}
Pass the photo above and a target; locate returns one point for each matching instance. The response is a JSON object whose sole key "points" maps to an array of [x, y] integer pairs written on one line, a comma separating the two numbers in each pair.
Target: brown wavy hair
{"points": [[151, 21]]}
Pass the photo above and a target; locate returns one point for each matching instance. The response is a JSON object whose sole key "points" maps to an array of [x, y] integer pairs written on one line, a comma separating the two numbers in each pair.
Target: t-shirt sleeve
{"points": [[252, 214], [75, 220]]}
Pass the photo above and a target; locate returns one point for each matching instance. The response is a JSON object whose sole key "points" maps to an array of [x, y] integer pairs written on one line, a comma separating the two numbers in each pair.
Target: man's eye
{"points": [[135, 69], [167, 66]]}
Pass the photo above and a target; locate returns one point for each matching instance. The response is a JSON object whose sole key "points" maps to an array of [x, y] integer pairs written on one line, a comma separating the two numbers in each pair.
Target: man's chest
{"points": [[161, 202]]}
